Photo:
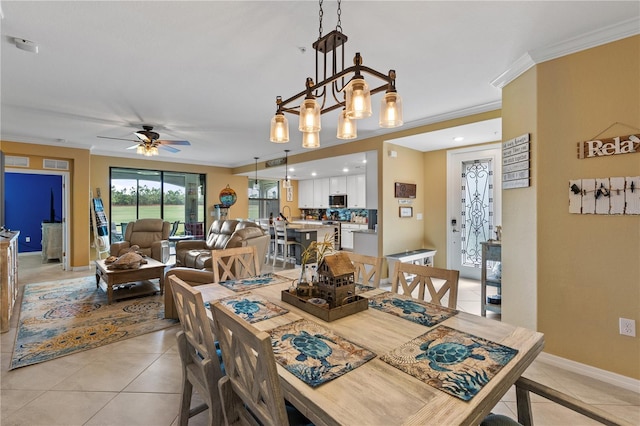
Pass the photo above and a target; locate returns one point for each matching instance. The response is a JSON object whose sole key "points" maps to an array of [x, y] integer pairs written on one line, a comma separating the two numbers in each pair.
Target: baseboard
{"points": [[81, 268], [615, 379]]}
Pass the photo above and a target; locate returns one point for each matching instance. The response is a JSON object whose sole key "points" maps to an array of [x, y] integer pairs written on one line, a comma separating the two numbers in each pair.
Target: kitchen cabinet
{"points": [[338, 185], [491, 276], [321, 193], [357, 191], [305, 194], [346, 234]]}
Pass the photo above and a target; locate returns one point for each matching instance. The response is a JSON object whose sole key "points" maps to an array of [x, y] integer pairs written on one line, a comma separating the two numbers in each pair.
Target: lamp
{"points": [[315, 99], [147, 149], [286, 183]]}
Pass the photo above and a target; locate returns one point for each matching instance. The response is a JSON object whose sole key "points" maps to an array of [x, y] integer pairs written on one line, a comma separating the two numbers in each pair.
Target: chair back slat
{"points": [[367, 268], [235, 263], [252, 382], [408, 277]]}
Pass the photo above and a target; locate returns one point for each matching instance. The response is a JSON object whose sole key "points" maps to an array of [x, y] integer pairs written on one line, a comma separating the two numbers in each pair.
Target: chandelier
{"points": [[348, 88]]}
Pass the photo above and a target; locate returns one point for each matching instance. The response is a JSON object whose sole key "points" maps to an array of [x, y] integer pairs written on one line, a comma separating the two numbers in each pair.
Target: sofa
{"points": [[150, 235], [222, 234]]}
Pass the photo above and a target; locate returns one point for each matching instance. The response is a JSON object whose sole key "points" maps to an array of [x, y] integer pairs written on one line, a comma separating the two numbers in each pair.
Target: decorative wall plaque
{"points": [[516, 162]]}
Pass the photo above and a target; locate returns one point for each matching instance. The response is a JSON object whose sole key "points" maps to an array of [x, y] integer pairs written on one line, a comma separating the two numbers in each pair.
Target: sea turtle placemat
{"points": [[245, 284], [455, 362], [315, 354], [252, 308], [414, 310]]}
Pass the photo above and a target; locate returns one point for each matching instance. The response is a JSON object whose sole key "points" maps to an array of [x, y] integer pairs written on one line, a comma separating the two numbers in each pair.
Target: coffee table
{"points": [[117, 277]]}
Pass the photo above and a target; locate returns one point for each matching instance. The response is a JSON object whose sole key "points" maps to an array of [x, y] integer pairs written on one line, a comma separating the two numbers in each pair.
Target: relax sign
{"points": [[612, 146]]}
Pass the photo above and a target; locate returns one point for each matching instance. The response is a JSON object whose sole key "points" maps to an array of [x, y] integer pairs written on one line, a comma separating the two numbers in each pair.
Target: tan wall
{"points": [[588, 266], [435, 204], [519, 208], [78, 218]]}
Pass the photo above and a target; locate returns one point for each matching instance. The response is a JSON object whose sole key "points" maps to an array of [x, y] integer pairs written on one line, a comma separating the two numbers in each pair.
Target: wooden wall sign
{"points": [[628, 144], [516, 162]]}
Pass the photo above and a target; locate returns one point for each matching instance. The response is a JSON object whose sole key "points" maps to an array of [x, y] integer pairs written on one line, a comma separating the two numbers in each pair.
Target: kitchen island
{"points": [[304, 233]]}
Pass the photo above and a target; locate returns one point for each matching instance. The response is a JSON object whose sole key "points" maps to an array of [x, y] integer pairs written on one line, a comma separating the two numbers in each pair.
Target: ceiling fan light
{"points": [[346, 127], [140, 149], [309, 116], [358, 98], [154, 150], [391, 110], [311, 139], [279, 128]]}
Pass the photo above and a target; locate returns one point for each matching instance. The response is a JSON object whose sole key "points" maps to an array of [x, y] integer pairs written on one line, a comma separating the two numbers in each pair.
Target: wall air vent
{"points": [[13, 161], [48, 163]]}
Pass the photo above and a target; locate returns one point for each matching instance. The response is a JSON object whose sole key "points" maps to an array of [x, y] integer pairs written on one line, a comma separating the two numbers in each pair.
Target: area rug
{"points": [[314, 354], [453, 361], [59, 318]]}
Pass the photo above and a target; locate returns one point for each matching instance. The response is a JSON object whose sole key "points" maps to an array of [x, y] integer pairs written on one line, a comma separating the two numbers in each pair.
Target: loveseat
{"points": [[222, 234]]}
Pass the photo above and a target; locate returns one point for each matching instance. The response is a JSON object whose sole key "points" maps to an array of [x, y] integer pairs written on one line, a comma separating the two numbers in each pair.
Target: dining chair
{"points": [[283, 243], [408, 277], [367, 268], [234, 263], [251, 388], [201, 365]]}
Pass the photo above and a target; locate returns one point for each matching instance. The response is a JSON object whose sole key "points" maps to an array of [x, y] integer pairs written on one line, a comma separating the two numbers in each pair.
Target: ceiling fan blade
{"points": [[117, 139], [168, 148], [134, 146], [163, 142]]}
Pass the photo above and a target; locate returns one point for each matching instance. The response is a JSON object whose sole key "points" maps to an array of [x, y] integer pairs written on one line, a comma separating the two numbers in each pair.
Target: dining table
{"points": [[376, 392]]}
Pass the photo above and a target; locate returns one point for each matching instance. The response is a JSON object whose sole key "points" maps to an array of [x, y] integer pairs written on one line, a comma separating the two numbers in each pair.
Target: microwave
{"points": [[338, 201]]}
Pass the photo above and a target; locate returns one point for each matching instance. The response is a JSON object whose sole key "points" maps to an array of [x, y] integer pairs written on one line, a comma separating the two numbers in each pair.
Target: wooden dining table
{"points": [[376, 393]]}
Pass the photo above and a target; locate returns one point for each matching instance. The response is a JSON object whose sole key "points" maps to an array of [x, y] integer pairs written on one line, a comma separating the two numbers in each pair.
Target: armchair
{"points": [[151, 235]]}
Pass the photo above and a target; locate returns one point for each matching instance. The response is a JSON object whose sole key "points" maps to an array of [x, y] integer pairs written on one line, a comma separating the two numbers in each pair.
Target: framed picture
{"points": [[290, 194], [406, 211], [405, 190]]}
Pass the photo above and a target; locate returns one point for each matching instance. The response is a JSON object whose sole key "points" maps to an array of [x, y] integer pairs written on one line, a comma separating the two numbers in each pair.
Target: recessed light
{"points": [[291, 169], [364, 161], [458, 139], [346, 170], [314, 174]]}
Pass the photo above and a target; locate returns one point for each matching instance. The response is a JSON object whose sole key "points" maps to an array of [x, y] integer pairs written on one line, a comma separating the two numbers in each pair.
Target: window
{"points": [[173, 196], [264, 199]]}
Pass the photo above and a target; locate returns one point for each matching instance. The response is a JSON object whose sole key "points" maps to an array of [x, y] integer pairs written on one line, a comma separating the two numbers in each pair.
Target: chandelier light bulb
{"points": [[309, 116], [279, 128], [358, 99], [311, 139], [391, 110], [346, 127]]}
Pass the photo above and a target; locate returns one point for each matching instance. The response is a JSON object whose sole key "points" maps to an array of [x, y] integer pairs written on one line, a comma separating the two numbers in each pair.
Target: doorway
{"points": [[474, 205]]}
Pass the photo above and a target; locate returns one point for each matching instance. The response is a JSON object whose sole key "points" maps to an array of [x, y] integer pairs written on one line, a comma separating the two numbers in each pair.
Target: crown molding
{"points": [[585, 41]]}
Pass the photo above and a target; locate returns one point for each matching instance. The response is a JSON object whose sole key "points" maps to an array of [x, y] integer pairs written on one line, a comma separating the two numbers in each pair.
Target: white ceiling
{"points": [[209, 71]]}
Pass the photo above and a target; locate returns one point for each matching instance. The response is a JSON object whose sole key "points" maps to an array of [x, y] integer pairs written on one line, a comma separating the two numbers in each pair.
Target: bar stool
{"points": [[283, 243]]}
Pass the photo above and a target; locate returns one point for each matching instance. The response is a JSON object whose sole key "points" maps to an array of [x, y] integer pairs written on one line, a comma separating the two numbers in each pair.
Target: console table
{"points": [[420, 256]]}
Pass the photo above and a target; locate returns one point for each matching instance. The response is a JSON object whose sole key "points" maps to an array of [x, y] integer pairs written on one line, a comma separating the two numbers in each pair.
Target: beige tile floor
{"points": [[137, 381]]}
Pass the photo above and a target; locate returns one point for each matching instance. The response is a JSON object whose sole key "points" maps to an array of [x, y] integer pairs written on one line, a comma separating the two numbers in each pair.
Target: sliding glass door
{"points": [[176, 197]]}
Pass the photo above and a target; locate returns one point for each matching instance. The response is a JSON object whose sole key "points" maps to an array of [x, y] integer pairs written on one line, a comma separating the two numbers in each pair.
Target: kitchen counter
{"points": [[365, 231]]}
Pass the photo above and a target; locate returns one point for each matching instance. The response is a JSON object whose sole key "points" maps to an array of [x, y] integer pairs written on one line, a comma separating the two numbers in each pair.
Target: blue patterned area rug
{"points": [[60, 318]]}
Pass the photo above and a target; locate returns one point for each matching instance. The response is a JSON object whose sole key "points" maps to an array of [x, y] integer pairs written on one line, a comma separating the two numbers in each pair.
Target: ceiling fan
{"points": [[149, 141]]}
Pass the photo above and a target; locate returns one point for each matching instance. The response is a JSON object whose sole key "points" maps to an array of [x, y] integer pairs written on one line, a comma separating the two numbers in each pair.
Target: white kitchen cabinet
{"points": [[357, 192], [346, 234], [305, 194], [338, 185], [321, 193]]}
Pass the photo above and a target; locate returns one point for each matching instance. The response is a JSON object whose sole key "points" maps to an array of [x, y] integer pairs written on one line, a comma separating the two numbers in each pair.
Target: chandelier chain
{"points": [[320, 14], [339, 24]]}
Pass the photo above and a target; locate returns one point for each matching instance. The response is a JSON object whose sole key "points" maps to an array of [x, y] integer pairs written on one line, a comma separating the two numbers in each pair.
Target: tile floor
{"points": [[137, 381]]}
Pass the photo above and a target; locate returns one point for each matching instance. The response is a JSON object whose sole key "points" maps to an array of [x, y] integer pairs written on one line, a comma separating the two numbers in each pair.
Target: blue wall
{"points": [[28, 204]]}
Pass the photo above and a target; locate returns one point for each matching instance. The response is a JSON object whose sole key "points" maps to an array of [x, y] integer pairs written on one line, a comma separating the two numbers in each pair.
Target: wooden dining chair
{"points": [[251, 389], [235, 263], [201, 366], [367, 268], [408, 277]]}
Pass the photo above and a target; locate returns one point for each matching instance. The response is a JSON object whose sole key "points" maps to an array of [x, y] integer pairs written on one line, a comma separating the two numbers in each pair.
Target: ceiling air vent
{"points": [[48, 163], [11, 160]]}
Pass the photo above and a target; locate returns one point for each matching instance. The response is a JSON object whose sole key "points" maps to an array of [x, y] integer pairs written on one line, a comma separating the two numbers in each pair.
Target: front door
{"points": [[473, 205]]}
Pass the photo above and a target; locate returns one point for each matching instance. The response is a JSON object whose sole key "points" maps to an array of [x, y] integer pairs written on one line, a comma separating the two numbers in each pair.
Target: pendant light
{"points": [[256, 185], [311, 139], [286, 183], [346, 127]]}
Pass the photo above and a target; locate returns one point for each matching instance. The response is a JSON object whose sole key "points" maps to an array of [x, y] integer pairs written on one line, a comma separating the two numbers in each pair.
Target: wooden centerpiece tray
{"points": [[357, 304]]}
